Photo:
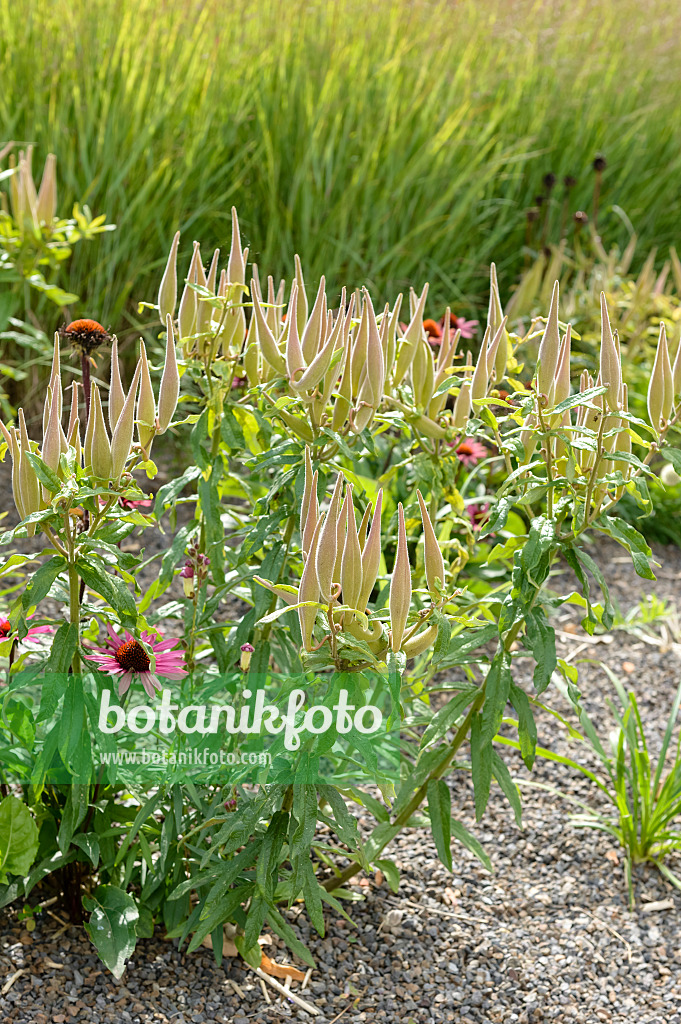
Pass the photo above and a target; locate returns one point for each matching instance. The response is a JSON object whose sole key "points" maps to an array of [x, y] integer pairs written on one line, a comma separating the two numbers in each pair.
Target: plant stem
{"points": [[74, 612]]}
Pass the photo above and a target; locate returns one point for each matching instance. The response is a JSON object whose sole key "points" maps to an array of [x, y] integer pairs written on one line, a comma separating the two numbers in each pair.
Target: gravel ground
{"points": [[547, 937]]}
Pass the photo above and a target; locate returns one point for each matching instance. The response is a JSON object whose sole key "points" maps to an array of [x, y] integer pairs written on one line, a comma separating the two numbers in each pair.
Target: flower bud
{"points": [[549, 348], [325, 557], [146, 406], [610, 365], [434, 562], [121, 441], [169, 391], [46, 208], [351, 564], [400, 585], [246, 655], [187, 577], [101, 449], [167, 293]]}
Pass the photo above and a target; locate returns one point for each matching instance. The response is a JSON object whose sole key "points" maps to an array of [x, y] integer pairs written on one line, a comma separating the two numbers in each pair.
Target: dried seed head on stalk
{"points": [[85, 336]]}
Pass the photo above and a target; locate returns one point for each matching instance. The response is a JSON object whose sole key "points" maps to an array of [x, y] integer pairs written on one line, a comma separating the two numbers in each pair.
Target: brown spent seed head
{"points": [[532, 214], [549, 181], [569, 182], [600, 163], [85, 336], [581, 218]]}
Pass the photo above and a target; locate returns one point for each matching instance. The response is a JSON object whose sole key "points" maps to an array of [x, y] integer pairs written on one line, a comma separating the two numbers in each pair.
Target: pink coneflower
{"points": [[477, 513], [128, 659], [467, 327], [470, 452], [34, 631], [130, 504]]}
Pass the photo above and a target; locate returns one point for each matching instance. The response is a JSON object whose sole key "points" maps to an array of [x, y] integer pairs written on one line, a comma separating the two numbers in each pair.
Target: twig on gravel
{"points": [[286, 992], [655, 905], [339, 1015], [446, 913], [265, 993], [10, 981], [306, 979], [237, 988], [612, 931]]}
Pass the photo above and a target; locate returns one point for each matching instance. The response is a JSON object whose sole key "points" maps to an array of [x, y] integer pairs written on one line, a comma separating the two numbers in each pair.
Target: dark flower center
{"points": [[5, 628], [464, 449], [85, 335], [132, 656]]}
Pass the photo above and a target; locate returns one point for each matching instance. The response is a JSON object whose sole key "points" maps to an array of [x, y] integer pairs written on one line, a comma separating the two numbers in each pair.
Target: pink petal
{"points": [[114, 638], [124, 683]]}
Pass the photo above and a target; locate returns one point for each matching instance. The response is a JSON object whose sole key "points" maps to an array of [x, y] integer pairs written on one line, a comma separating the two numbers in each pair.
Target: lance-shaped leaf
{"points": [[265, 338], [167, 293], [116, 391], [309, 589], [28, 481], [351, 564], [412, 336], [288, 594], [610, 366], [400, 585], [146, 406], [101, 448], [121, 442], [371, 554], [434, 562], [187, 313], [169, 391], [46, 207], [480, 382], [549, 347], [236, 264], [325, 555]]}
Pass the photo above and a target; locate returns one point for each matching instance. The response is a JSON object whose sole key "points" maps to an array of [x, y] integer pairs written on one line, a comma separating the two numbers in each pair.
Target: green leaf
{"points": [[281, 926], [89, 844], [446, 717], [632, 540], [75, 809], [63, 648], [527, 727], [18, 838], [467, 838], [674, 456], [41, 581], [45, 475], [440, 814], [108, 586], [112, 926], [497, 687], [391, 872], [498, 516], [541, 639], [444, 634], [312, 895], [481, 764], [508, 786]]}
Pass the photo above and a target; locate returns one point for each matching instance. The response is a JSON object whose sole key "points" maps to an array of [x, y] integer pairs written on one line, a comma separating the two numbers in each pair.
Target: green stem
{"points": [[74, 612]]}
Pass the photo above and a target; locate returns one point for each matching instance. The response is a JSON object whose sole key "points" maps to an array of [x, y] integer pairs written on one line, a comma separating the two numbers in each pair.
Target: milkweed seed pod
{"points": [[146, 405], [480, 382], [340, 544], [351, 563], [319, 367], [592, 423], [309, 512], [101, 448], [187, 313], [359, 347], [495, 316], [314, 330], [309, 590], [46, 207], [343, 401], [169, 390], [295, 361], [121, 440], [422, 372], [301, 311], [434, 562], [28, 481], [167, 292], [325, 558], [528, 436], [410, 339], [265, 338], [391, 336], [373, 378], [623, 440], [421, 642], [560, 447], [610, 365], [676, 373], [463, 404], [116, 391], [55, 376], [371, 554], [16, 468], [496, 339], [661, 387], [29, 202], [561, 389], [73, 432], [52, 447], [445, 359], [549, 348], [400, 585]]}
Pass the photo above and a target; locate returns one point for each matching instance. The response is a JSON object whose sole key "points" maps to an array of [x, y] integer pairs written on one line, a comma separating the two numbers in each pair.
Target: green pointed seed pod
{"points": [[288, 594], [422, 373], [295, 360], [610, 366], [87, 444], [187, 313], [101, 448], [27, 187], [212, 276], [493, 348], [391, 338], [321, 362], [412, 335], [463, 404], [116, 392], [549, 347], [46, 208], [480, 382], [73, 433], [307, 489], [169, 391], [668, 375], [5, 433], [313, 334], [236, 265], [16, 468], [343, 402], [146, 406], [51, 450], [657, 399], [561, 390], [359, 349], [309, 590], [400, 585], [351, 564], [265, 338], [55, 376], [340, 544], [676, 373], [167, 293], [28, 481], [421, 642], [495, 315], [434, 562], [312, 516], [371, 554], [363, 527], [302, 295], [121, 441], [325, 559]]}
